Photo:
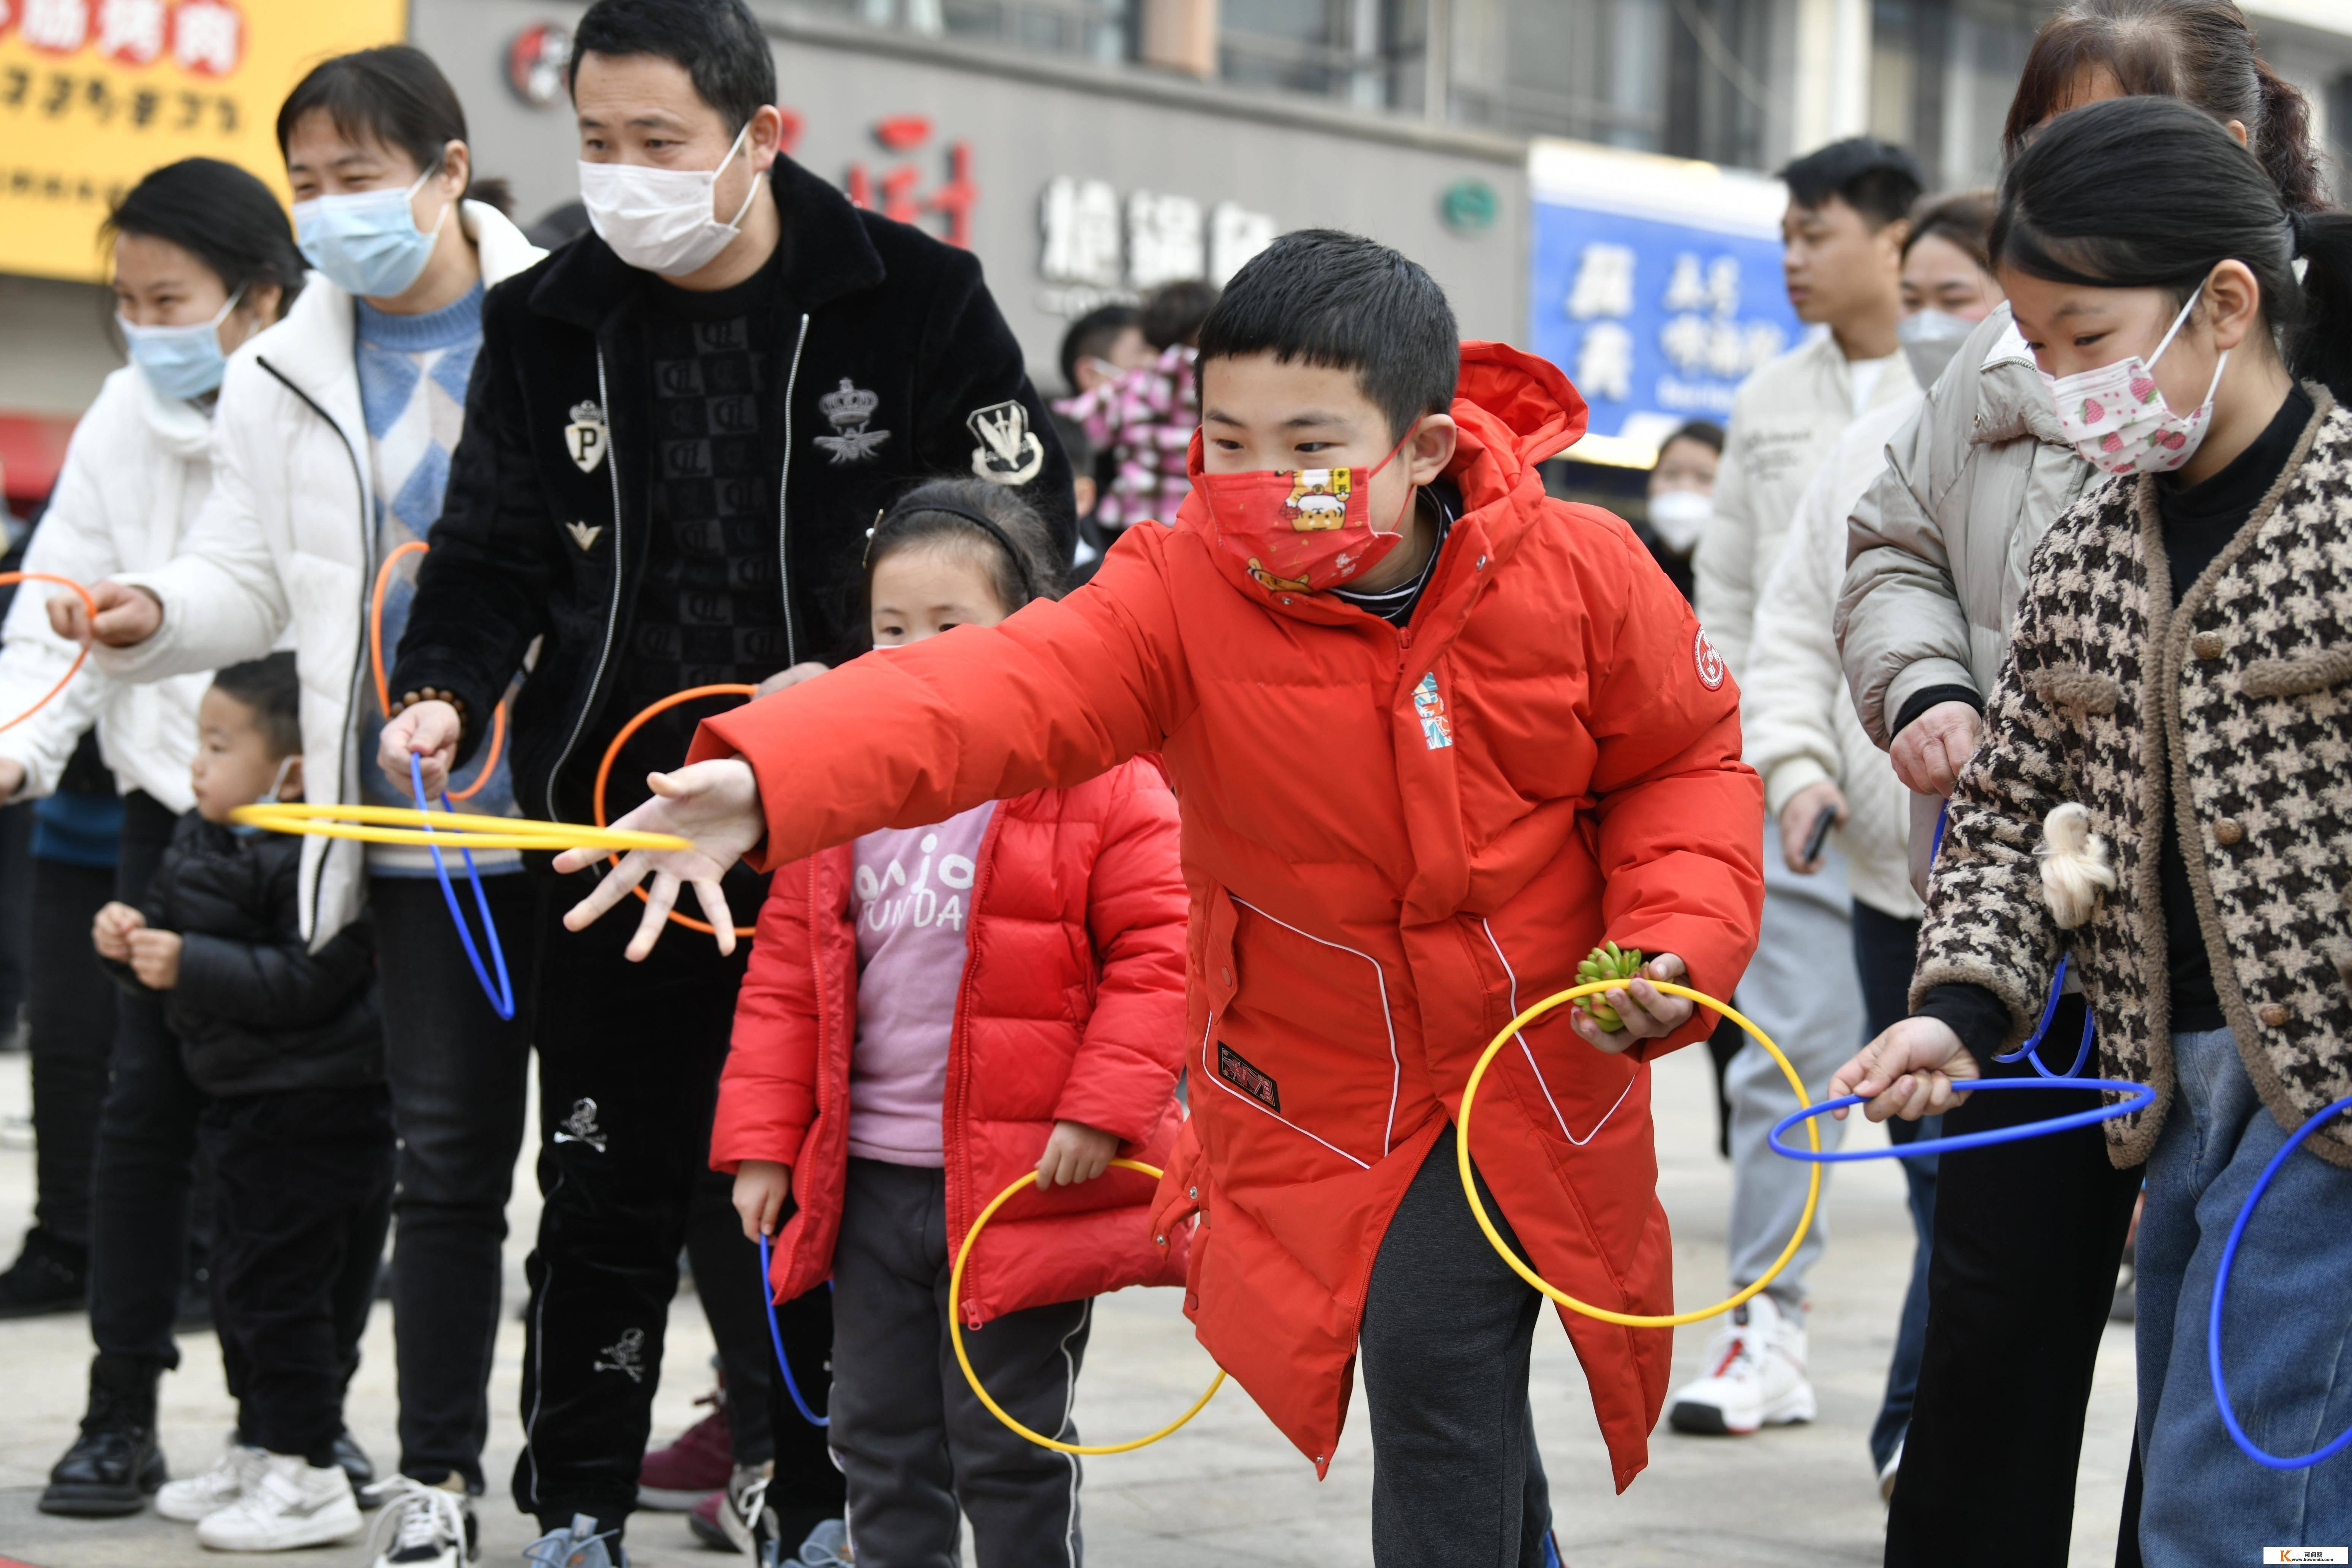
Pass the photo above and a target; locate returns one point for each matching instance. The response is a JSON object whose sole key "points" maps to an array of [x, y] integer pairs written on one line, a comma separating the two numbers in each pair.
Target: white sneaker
{"points": [[1757, 1376], [291, 1503], [423, 1526], [195, 1497]]}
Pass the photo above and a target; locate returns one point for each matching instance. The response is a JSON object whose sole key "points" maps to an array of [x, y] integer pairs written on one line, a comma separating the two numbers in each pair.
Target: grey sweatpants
{"points": [[914, 1443], [1801, 989], [1447, 1330]]}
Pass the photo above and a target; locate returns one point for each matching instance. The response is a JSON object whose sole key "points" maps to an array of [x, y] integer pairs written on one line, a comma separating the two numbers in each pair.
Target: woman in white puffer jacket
{"points": [[1802, 735]]}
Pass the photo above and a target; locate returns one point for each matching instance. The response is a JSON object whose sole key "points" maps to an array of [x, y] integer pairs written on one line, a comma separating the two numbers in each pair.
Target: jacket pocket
{"points": [[2072, 687], [2297, 677]]}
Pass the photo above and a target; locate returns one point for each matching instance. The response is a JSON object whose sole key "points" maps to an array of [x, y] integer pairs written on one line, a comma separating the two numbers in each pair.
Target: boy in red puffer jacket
{"points": [[926, 1009], [1434, 735]]}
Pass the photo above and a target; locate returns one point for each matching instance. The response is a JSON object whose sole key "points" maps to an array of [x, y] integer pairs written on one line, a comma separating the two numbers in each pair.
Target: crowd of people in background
{"points": [[2000, 622]]}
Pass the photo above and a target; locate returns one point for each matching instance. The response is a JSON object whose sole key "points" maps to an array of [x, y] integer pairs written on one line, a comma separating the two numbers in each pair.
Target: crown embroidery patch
{"points": [[849, 409]]}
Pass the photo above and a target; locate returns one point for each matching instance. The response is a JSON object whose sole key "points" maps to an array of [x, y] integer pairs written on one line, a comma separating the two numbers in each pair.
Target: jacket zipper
{"points": [[611, 612], [959, 1202], [783, 502], [359, 649]]}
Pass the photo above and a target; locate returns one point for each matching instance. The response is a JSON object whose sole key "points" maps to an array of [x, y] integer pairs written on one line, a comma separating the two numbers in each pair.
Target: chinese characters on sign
{"points": [[1655, 287], [897, 194], [94, 93], [1100, 248]]}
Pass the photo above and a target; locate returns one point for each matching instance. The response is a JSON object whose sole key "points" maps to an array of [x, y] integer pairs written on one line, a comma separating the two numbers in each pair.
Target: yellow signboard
{"points": [[94, 93]]}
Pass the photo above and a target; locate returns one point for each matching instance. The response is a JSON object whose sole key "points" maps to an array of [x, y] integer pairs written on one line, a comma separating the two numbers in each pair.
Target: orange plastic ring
{"points": [[72, 670], [605, 771], [383, 692]]}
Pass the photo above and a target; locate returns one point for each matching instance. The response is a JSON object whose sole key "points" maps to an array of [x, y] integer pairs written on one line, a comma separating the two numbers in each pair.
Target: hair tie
{"points": [[2298, 232], [883, 519]]}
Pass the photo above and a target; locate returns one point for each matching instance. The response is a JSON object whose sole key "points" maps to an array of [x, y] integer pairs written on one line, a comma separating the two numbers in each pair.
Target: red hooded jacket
{"points": [[1072, 1008], [1372, 897]]}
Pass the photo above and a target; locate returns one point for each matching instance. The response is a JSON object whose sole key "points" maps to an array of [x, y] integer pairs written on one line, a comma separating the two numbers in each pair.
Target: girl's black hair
{"points": [[930, 515], [2200, 51], [2140, 193], [219, 214], [394, 95]]}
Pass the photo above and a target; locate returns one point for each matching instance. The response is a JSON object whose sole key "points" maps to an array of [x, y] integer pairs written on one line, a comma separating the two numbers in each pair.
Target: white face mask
{"points": [[1680, 517], [660, 220], [1929, 339], [2116, 417]]}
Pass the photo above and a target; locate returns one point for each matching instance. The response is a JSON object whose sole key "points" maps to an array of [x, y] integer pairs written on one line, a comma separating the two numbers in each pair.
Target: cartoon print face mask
{"points": [[1301, 530], [2117, 418]]}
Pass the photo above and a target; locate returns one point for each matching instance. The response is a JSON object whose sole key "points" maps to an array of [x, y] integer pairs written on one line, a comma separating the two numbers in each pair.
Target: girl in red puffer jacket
{"points": [[930, 1011]]}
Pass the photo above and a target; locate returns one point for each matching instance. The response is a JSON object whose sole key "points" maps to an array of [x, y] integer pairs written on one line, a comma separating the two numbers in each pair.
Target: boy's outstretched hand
{"points": [[761, 1188], [1645, 1012], [1913, 1070], [715, 804], [1075, 1153]]}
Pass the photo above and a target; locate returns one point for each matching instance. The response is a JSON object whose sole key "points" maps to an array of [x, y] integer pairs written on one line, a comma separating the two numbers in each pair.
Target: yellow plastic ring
{"points": [[1478, 1210], [448, 829], [955, 1333]]}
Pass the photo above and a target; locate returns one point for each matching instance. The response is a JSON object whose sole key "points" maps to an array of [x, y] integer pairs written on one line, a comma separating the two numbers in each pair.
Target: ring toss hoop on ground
{"points": [[604, 771], [383, 692], [1478, 1210], [2222, 1291], [2140, 1098], [72, 670], [955, 1333]]}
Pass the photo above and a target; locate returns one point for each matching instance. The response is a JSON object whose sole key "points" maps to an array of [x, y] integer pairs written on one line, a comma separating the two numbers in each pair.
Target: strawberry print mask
{"points": [[2118, 420], [1301, 530]]}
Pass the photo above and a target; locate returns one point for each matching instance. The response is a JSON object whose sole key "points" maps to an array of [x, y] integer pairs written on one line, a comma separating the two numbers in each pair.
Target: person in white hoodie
{"points": [[1803, 736], [202, 259], [1848, 209], [334, 434]]}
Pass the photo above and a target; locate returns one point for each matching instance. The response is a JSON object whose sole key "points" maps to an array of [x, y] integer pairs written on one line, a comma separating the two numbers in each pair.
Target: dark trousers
{"points": [[728, 1283], [1447, 1336], [1885, 950], [457, 1075], [15, 908], [303, 1185], [69, 1017], [2028, 1239], [628, 1070], [141, 1175], [915, 1444]]}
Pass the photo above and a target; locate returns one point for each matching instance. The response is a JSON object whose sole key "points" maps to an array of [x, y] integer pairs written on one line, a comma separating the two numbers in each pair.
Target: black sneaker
{"points": [[49, 1276], [358, 1465], [114, 1466]]}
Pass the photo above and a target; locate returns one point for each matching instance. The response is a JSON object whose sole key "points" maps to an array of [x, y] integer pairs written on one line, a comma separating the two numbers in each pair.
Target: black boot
{"points": [[49, 1276], [114, 1465]]}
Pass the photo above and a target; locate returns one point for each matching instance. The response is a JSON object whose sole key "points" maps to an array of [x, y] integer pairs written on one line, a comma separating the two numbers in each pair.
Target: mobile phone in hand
{"points": [[1820, 835]]}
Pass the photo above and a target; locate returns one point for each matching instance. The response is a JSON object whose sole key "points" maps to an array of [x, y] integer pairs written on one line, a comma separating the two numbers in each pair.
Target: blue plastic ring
{"points": [[2142, 1098], [502, 995], [2221, 1290], [776, 1338]]}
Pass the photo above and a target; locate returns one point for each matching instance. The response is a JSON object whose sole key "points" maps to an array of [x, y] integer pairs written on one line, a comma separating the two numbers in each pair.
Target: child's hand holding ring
{"points": [[761, 1188], [1644, 1011], [1075, 1153]]}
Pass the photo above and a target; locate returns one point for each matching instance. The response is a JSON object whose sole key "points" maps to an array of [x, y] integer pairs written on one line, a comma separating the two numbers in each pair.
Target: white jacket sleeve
{"points": [[1723, 566], [72, 542], [223, 597], [1794, 684]]}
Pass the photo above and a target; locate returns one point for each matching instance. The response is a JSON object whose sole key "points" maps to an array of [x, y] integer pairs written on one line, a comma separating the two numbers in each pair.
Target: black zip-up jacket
{"points": [[894, 365], [255, 1010]]}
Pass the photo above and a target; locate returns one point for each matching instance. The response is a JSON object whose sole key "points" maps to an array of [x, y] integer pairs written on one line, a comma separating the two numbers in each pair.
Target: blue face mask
{"points": [[368, 243], [180, 361]]}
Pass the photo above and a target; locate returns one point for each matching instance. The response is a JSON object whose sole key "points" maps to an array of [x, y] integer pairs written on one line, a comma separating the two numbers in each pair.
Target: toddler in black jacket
{"points": [[284, 1042]]}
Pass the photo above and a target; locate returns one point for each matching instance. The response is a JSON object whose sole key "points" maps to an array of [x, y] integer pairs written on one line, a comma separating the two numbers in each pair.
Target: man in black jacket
{"points": [[680, 428]]}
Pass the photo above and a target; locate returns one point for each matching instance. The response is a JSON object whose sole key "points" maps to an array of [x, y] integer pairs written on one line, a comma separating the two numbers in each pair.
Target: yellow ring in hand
{"points": [[955, 1333], [1478, 1210], [448, 829]]}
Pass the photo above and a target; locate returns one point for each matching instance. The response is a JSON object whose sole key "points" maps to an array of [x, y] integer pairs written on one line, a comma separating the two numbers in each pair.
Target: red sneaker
{"points": [[674, 1479]]}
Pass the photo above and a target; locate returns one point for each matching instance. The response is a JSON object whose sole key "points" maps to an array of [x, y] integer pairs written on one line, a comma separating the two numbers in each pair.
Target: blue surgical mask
{"points": [[180, 361], [367, 243]]}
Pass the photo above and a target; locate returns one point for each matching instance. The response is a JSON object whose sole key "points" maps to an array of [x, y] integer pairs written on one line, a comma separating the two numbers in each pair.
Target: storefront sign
{"points": [[94, 93], [1655, 284], [1101, 247]]}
